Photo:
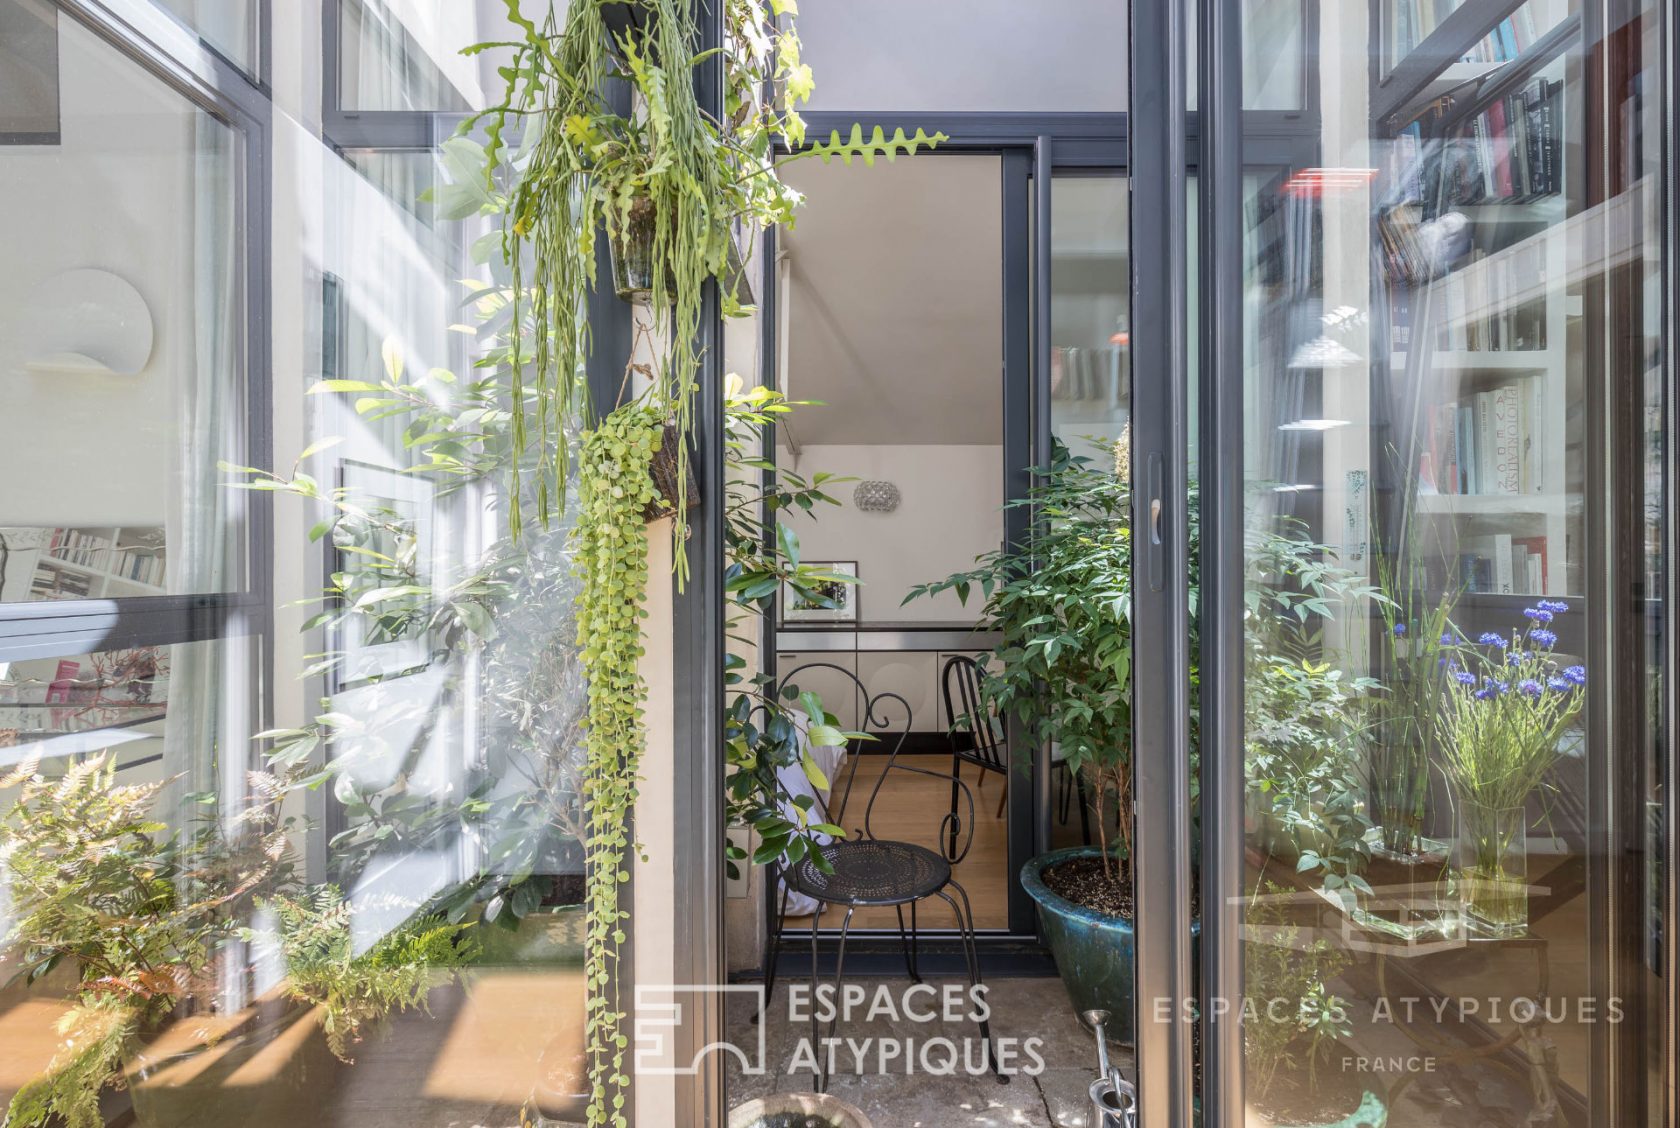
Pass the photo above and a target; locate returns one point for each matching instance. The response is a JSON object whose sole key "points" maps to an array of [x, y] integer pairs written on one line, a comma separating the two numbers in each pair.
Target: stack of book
{"points": [[1411, 21], [1487, 443], [1500, 564]]}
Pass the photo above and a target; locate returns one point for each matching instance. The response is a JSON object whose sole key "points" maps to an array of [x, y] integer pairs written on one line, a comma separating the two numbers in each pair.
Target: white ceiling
{"points": [[895, 302]]}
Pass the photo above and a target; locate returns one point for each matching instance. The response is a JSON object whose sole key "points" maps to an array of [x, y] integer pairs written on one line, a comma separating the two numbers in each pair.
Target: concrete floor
{"points": [[1021, 1009]]}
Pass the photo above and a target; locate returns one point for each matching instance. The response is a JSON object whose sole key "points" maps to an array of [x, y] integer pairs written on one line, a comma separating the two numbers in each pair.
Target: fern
{"points": [[96, 1034], [358, 991]]}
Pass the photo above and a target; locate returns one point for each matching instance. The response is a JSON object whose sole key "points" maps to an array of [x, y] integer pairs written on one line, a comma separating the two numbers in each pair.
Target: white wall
{"points": [[951, 512], [116, 194]]}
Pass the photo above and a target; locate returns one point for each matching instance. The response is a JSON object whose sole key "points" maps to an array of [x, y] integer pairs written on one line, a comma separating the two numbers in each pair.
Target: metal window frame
{"points": [[1220, 606]]}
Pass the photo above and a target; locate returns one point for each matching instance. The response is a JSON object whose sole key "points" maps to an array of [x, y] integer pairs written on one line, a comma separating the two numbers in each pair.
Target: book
{"points": [[1506, 406], [1534, 549], [1466, 430], [1486, 466]]}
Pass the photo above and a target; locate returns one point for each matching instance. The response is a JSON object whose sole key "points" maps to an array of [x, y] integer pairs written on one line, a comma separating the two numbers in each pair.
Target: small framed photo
{"points": [[839, 603], [387, 564]]}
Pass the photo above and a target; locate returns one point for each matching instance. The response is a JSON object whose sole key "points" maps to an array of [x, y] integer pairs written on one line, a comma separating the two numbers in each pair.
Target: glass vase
{"points": [[1492, 868], [632, 253]]}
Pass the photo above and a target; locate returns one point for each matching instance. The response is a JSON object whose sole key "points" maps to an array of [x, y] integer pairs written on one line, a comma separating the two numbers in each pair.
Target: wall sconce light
{"points": [[876, 497]]}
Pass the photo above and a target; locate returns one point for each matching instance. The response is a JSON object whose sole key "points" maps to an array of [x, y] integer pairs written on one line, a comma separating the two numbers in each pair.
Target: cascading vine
{"points": [[693, 183], [611, 552]]}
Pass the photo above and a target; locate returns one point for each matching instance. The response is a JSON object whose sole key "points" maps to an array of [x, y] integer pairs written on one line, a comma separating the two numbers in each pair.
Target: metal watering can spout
{"points": [[1113, 1098]]}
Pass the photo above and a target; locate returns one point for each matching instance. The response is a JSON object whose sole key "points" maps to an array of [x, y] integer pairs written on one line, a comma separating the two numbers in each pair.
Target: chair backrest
{"points": [[876, 715], [970, 716]]}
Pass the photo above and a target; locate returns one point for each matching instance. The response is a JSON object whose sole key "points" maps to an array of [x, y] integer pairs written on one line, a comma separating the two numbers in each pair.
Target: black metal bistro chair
{"points": [[871, 871], [977, 738]]}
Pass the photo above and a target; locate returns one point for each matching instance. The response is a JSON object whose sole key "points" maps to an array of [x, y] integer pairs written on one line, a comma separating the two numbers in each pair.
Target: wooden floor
{"points": [[909, 810]]}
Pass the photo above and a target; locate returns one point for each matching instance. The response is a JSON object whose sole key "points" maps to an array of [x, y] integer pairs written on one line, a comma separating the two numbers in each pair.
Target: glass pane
{"points": [[230, 26], [1058, 55], [123, 342], [1454, 521], [28, 72], [406, 54], [1090, 324]]}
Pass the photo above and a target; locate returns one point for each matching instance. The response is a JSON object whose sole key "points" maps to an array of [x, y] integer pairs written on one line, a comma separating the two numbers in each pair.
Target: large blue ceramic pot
{"points": [[1095, 953]]}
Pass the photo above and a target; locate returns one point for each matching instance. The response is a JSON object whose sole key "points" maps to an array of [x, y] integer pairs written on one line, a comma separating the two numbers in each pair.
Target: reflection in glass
{"points": [[1435, 441], [396, 55], [121, 342]]}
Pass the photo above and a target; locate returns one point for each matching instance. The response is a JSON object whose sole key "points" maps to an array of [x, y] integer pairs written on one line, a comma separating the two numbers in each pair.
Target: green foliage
{"points": [[1064, 607], [614, 487], [99, 887], [1304, 718], [1289, 1011], [762, 729], [667, 172], [1064, 668], [96, 1033], [356, 991]]}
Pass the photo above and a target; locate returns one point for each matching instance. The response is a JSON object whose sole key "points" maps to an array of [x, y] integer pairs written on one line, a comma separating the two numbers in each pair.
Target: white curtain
{"points": [[196, 736]]}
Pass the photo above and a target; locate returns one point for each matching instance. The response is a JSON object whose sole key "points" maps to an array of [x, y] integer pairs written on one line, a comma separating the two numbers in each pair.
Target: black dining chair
{"points": [[977, 737], [867, 870]]}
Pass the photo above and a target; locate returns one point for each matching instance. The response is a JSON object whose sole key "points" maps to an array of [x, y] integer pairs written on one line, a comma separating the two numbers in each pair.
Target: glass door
{"points": [[1439, 480]]}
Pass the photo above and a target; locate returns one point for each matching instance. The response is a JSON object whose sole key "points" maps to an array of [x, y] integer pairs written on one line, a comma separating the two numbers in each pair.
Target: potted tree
{"points": [[1063, 670]]}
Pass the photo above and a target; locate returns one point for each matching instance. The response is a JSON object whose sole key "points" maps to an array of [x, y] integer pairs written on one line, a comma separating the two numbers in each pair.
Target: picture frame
{"points": [[847, 604], [370, 651]]}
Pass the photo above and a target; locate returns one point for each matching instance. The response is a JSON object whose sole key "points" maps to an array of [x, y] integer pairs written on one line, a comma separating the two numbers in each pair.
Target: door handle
{"points": [[1156, 481]]}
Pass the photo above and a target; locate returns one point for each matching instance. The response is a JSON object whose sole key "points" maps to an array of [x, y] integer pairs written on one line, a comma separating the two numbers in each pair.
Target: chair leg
{"points": [[971, 952], [775, 951], [816, 1044], [1084, 809], [956, 781], [904, 941], [839, 983]]}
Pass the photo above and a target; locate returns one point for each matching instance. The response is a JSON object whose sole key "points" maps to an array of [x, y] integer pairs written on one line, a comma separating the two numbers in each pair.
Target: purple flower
{"points": [[1558, 685], [1465, 677], [1529, 687], [1449, 639], [1492, 638], [1399, 630], [1538, 614], [1542, 637], [1556, 606], [1575, 675], [1483, 694], [1497, 687], [1515, 658]]}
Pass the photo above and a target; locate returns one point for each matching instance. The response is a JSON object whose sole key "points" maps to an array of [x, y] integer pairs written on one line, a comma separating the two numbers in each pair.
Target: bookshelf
{"points": [[1484, 338], [95, 562]]}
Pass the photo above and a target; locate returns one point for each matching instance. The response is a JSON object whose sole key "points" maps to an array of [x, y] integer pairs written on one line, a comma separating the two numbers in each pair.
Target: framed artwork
{"points": [[840, 599], [386, 563]]}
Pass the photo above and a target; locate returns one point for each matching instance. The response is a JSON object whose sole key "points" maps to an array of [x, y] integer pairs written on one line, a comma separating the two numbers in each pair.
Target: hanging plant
{"points": [[676, 189], [614, 487]]}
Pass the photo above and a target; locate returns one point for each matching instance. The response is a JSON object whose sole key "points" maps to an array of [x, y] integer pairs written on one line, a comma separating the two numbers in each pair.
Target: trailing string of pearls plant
{"points": [[675, 188]]}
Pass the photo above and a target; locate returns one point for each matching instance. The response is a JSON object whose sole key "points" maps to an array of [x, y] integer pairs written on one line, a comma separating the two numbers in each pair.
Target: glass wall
{"points": [[290, 812], [1455, 513], [124, 341]]}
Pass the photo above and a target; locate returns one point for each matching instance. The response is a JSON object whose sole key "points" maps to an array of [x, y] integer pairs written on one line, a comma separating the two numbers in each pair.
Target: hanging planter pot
{"points": [[632, 253], [674, 492]]}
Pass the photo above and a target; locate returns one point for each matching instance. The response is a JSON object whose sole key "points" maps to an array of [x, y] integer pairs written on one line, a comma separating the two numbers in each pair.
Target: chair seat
{"points": [[867, 872]]}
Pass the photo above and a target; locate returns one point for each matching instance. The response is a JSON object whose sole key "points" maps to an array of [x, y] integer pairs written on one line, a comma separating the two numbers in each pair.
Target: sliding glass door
{"points": [[1437, 893]]}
